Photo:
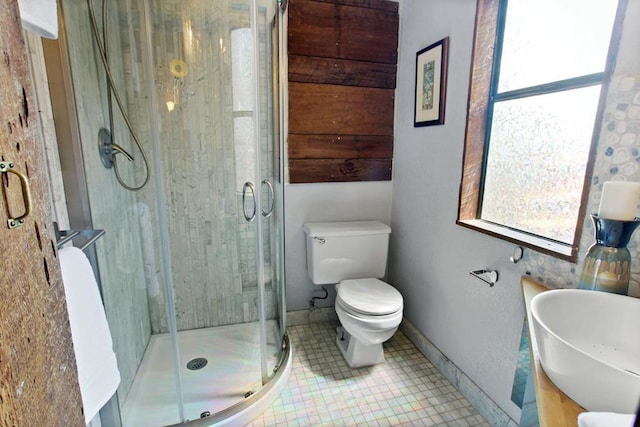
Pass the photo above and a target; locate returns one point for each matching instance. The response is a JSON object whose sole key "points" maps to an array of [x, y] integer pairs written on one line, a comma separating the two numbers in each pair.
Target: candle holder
{"points": [[607, 264]]}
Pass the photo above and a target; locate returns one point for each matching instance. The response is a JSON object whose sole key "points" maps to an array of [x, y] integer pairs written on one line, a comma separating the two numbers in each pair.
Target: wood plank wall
{"points": [[342, 78]]}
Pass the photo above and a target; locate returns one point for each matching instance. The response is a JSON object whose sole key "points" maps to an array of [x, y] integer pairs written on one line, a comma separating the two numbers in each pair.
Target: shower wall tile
{"points": [[112, 208]]}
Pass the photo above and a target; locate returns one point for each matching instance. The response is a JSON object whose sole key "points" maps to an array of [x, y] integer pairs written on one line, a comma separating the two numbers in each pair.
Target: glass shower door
{"points": [[209, 65], [187, 281]]}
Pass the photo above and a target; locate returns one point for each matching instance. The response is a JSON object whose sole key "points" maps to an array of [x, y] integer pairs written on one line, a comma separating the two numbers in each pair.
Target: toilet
{"points": [[353, 255]]}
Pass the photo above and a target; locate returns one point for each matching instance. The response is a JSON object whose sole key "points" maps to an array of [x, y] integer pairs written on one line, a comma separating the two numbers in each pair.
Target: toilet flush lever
{"points": [[320, 240]]}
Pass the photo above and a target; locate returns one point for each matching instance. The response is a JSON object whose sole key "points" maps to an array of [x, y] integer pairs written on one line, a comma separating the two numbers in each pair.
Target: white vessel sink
{"points": [[589, 346]]}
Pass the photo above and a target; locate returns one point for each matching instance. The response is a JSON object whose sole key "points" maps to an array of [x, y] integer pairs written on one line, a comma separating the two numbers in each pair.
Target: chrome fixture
{"points": [[65, 236], [108, 149], [489, 277], [518, 252]]}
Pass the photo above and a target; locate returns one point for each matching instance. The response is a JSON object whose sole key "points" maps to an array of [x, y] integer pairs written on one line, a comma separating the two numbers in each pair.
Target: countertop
{"points": [[555, 409]]}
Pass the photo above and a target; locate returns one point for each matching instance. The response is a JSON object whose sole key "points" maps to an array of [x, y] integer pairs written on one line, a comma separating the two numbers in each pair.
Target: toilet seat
{"points": [[371, 297]]}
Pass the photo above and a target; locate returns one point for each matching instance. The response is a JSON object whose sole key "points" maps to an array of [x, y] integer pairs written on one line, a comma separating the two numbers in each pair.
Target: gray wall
{"points": [[325, 202], [476, 326]]}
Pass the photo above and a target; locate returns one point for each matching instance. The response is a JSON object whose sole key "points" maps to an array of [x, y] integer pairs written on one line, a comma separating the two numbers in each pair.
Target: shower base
{"points": [[231, 373]]}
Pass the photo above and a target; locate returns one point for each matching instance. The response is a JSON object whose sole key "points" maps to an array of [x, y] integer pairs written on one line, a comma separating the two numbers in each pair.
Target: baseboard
{"points": [[304, 317], [474, 394]]}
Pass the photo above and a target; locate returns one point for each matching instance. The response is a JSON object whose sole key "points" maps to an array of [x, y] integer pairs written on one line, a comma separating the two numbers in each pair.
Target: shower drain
{"points": [[197, 363]]}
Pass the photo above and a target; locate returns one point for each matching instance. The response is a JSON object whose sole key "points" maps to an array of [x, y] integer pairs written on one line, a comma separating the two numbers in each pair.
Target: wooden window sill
{"points": [[537, 243]]}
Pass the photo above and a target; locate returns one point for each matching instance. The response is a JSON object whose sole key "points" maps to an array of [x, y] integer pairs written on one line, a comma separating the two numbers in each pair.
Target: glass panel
{"points": [[551, 40], [191, 92], [204, 149], [181, 255], [536, 162]]}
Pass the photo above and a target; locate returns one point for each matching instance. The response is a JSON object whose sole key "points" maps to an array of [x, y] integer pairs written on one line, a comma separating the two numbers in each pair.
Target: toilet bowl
{"points": [[370, 312], [353, 255]]}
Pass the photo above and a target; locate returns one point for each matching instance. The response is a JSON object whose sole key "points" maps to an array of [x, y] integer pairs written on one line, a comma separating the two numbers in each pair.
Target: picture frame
{"points": [[431, 84]]}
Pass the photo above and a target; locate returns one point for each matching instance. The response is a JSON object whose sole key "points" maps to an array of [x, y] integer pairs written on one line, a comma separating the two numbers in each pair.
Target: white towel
{"points": [[605, 419], [98, 373], [40, 16]]}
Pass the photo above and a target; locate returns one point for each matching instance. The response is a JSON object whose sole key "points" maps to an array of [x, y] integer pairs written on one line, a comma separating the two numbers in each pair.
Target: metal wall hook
{"points": [[518, 252], [489, 277]]}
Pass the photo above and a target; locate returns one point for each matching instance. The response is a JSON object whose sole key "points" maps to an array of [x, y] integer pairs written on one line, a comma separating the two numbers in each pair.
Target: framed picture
{"points": [[431, 84]]}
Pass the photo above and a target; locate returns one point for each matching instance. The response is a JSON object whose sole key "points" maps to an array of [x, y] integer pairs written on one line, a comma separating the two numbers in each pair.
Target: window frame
{"points": [[490, 18]]}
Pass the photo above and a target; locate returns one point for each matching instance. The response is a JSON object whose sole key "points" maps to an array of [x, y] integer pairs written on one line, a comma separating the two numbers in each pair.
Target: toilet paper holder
{"points": [[489, 277]]}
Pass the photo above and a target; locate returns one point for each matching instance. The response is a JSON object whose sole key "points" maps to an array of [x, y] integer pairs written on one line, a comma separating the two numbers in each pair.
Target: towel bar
{"points": [[65, 236]]}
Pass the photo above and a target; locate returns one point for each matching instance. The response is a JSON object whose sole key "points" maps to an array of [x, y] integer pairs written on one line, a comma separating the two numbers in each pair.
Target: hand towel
{"points": [[40, 16], [605, 419], [98, 373]]}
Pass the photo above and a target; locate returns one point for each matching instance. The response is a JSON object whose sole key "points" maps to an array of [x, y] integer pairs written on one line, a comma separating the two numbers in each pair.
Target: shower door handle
{"points": [[268, 213], [251, 187]]}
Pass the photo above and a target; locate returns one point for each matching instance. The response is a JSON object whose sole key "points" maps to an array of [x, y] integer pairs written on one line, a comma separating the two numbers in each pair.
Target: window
{"points": [[538, 69]]}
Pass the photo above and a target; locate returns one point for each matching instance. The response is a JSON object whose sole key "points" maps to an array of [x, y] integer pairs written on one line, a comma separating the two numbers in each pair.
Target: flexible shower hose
{"points": [[102, 48]]}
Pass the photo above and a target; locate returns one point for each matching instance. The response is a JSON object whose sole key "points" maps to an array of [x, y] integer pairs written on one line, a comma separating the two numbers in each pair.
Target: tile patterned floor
{"points": [[406, 390]]}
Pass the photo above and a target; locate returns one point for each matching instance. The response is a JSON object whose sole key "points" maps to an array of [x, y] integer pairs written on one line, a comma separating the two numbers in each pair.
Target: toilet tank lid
{"points": [[345, 228]]}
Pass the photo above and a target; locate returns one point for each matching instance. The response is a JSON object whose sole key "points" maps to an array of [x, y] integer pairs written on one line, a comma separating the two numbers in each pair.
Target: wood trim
{"points": [[38, 376], [339, 170], [340, 146], [341, 110], [309, 69], [537, 243], [386, 5], [342, 64], [479, 89], [335, 30]]}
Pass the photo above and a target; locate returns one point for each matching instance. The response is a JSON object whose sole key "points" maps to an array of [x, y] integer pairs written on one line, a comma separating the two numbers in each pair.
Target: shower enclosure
{"points": [[191, 265]]}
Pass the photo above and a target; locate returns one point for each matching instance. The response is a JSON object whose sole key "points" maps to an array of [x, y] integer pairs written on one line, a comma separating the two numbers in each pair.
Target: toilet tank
{"points": [[338, 251]]}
